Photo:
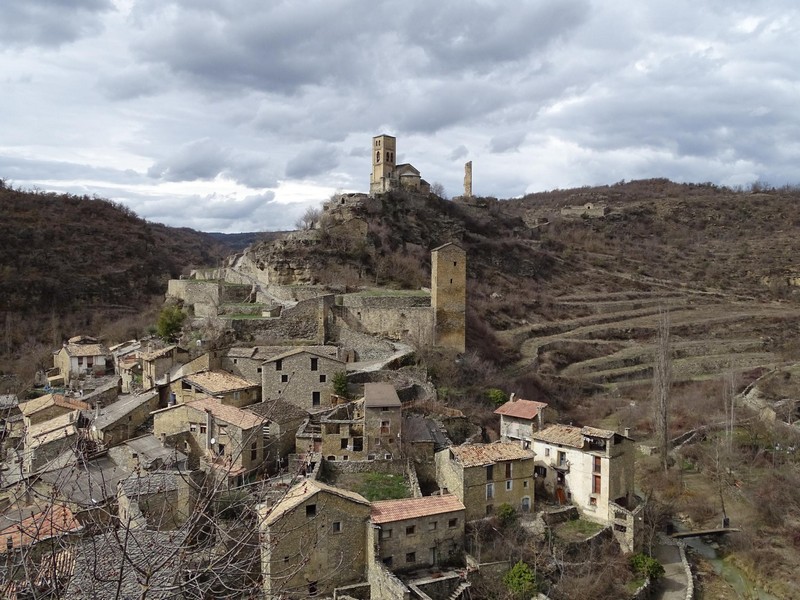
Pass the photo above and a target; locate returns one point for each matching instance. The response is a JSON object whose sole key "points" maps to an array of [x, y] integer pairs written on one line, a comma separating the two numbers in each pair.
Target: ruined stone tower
{"points": [[383, 162], [468, 179], [449, 296]]}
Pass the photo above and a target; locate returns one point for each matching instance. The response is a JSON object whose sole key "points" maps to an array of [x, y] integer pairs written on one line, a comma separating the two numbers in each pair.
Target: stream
{"points": [[744, 588]]}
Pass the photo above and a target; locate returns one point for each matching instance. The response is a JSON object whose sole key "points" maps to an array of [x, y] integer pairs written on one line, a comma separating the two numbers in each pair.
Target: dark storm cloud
{"points": [[49, 22], [29, 171], [459, 152], [312, 161], [507, 142]]}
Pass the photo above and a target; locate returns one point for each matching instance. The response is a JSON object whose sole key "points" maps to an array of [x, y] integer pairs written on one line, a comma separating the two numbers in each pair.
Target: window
{"points": [[323, 378], [432, 526], [315, 399], [525, 483], [286, 559], [220, 449], [358, 444], [192, 427], [279, 365], [311, 510], [203, 429], [312, 588], [80, 360], [314, 363], [452, 523], [378, 156], [508, 470], [592, 501], [223, 429], [411, 557], [540, 471], [509, 485], [596, 468], [234, 360], [410, 530], [547, 451], [562, 459], [236, 396], [258, 370], [596, 484], [489, 491], [385, 427], [336, 527], [489, 472], [254, 451], [386, 534], [344, 443], [345, 457], [284, 379]]}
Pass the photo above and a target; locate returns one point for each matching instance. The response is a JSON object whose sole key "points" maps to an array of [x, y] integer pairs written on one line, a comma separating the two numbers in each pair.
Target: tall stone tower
{"points": [[449, 296], [383, 162], [468, 179]]}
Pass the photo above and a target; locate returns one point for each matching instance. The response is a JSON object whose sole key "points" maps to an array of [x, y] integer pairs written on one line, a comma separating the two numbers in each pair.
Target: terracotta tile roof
{"points": [[386, 511], [218, 382], [521, 409], [473, 455], [302, 492], [243, 419], [566, 435], [54, 521], [42, 402], [378, 395]]}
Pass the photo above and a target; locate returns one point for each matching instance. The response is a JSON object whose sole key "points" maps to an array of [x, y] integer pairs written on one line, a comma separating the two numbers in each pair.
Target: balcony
{"points": [[560, 465]]}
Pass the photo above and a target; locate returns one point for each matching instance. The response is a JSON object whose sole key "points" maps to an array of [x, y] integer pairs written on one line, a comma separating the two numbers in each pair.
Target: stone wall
{"points": [[449, 296], [296, 324], [412, 324]]}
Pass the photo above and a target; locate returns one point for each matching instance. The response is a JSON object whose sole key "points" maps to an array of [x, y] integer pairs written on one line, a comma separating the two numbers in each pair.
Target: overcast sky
{"points": [[235, 115]]}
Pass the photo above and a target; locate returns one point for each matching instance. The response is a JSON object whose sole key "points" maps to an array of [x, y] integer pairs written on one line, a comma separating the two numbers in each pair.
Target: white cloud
{"points": [[198, 111]]}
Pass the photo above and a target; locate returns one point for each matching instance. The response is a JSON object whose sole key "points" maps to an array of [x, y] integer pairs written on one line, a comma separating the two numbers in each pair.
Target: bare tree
{"points": [[662, 382]]}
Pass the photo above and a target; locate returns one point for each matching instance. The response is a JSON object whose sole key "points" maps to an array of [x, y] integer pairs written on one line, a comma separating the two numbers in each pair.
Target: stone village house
{"points": [[301, 377], [227, 388], [221, 439], [81, 356], [413, 533], [587, 466], [484, 476], [520, 419], [313, 541]]}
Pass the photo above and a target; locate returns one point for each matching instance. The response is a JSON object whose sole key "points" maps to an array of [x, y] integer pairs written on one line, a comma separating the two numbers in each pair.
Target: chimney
{"points": [[627, 432], [513, 397], [97, 407], [163, 439]]}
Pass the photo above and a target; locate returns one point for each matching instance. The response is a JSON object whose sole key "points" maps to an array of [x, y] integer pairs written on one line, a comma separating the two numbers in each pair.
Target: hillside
{"points": [[64, 259], [576, 297]]}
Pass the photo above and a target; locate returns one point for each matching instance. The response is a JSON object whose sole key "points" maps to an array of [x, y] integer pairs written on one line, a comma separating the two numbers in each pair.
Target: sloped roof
{"points": [[379, 395], [87, 350], [48, 400], [302, 492], [109, 415], [566, 435], [448, 245], [387, 511], [521, 409], [147, 484], [599, 433], [54, 521], [279, 411], [299, 350], [218, 382], [143, 558], [158, 353], [149, 448], [474, 455], [228, 414]]}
